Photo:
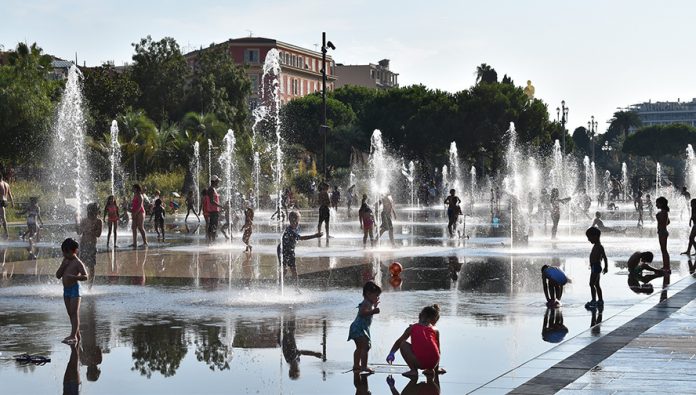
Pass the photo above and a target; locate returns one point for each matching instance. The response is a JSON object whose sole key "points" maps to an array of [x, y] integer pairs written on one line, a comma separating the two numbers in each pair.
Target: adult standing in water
{"points": [[324, 213], [213, 208], [5, 196], [138, 216], [386, 217], [662, 234], [555, 203]]}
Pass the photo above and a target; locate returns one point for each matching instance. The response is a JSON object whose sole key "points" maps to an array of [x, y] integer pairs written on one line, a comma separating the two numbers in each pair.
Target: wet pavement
{"points": [[182, 317]]}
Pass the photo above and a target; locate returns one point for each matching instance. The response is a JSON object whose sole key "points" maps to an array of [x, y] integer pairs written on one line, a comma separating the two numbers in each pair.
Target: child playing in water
{"points": [[286, 250], [248, 227], [452, 201], [158, 213], [367, 221], [33, 213], [692, 234], [424, 351], [90, 229], [111, 211], [596, 257], [360, 328], [191, 206], [71, 271], [553, 279]]}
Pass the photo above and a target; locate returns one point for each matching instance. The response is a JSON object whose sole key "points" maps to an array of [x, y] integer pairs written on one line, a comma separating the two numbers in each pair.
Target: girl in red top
{"points": [[424, 351], [111, 210]]}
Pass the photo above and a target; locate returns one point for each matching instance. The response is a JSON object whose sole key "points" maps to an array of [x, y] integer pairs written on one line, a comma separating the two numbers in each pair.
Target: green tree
{"points": [[582, 141], [486, 74], [26, 105], [220, 87], [161, 72], [660, 140], [109, 93], [621, 123]]}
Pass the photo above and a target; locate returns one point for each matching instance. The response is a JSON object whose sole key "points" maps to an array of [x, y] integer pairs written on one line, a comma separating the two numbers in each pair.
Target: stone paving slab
{"points": [[641, 350]]}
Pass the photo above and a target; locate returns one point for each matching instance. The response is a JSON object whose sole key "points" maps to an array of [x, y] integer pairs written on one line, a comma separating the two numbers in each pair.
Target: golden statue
{"points": [[529, 90]]}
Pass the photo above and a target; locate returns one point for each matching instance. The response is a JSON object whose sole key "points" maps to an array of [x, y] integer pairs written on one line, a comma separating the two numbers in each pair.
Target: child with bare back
{"points": [[71, 271], [248, 227], [596, 257]]}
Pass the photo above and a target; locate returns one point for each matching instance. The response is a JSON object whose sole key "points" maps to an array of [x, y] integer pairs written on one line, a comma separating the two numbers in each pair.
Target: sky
{"points": [[596, 55]]}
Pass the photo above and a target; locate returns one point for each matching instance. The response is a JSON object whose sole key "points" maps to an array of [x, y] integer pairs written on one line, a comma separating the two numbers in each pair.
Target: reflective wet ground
{"points": [[182, 317]]}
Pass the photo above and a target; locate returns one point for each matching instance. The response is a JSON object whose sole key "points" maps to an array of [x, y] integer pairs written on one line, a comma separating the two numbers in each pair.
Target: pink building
{"points": [[300, 72]]}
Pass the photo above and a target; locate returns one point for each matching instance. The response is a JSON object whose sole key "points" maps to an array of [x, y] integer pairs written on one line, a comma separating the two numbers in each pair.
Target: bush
{"points": [[166, 183]]}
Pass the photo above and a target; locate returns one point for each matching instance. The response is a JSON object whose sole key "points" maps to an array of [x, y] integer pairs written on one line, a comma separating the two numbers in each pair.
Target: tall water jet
{"points": [[690, 169], [557, 169], [606, 186], [455, 171], [257, 178], [409, 172], [472, 186], [625, 181], [658, 179], [227, 164], [70, 175], [379, 171], [271, 93], [533, 181], [593, 180], [210, 161], [513, 179], [445, 180], [587, 171], [115, 159], [196, 172]]}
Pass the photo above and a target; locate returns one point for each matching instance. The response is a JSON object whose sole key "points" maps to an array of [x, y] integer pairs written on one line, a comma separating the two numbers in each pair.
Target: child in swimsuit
{"points": [[111, 215], [360, 328], [367, 222], [71, 271], [424, 350], [248, 227], [662, 234], [158, 214], [90, 229], [596, 257], [33, 213]]}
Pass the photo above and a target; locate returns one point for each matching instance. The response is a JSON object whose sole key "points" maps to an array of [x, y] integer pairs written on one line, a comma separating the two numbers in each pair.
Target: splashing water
{"points": [[625, 181], [227, 163], [115, 159], [658, 179], [456, 177], [196, 171], [70, 175], [210, 161], [690, 168]]}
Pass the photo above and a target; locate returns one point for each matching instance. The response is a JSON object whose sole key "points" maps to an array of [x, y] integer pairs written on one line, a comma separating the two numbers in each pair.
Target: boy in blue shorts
{"points": [[288, 242], [596, 257], [71, 271]]}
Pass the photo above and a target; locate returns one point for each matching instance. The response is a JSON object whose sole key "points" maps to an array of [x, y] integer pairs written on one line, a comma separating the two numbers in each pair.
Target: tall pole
{"points": [[323, 98]]}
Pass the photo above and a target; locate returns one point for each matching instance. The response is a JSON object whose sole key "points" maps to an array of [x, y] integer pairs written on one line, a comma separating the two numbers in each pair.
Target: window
{"points": [[251, 56], [254, 78]]}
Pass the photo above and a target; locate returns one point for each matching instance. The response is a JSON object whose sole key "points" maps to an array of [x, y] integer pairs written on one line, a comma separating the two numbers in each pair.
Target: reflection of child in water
{"points": [[290, 351], [553, 330]]}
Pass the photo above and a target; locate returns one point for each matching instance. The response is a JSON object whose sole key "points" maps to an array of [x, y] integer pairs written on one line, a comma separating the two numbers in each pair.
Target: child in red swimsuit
{"points": [[424, 350], [111, 211]]}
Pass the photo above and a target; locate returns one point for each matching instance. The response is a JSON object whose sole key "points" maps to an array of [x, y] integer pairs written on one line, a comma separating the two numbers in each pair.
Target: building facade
{"points": [[300, 68], [377, 76], [664, 113]]}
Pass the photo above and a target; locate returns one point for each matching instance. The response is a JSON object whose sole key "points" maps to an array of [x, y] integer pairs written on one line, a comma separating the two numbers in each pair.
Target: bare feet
{"points": [[412, 374], [70, 340], [441, 371]]}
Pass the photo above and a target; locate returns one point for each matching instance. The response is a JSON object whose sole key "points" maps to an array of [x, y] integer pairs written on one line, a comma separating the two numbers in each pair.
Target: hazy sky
{"points": [[597, 55]]}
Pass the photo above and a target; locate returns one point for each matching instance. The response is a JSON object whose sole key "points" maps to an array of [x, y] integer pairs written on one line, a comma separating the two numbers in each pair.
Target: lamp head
{"points": [[330, 45]]}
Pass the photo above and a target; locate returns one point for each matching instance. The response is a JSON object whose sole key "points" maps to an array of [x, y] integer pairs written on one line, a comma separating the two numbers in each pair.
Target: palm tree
{"points": [[622, 122], [486, 74]]}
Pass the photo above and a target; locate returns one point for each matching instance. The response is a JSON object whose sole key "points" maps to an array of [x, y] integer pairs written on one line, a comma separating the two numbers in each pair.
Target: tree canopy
{"points": [[660, 140]]}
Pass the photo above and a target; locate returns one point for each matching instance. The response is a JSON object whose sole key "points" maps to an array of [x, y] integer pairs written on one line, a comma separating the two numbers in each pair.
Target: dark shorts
{"points": [[386, 222], [159, 222], [3, 203], [286, 259], [72, 292], [596, 267], [213, 219], [324, 214], [452, 214], [246, 236]]}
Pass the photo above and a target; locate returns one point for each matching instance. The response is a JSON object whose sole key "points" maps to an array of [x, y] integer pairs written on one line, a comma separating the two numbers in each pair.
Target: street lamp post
{"points": [[592, 130], [324, 129], [562, 117]]}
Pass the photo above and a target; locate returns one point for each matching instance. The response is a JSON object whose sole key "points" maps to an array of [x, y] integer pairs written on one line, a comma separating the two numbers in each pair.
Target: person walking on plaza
{"points": [[138, 216], [692, 233], [5, 196], [214, 208], [662, 234], [386, 217], [324, 213]]}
